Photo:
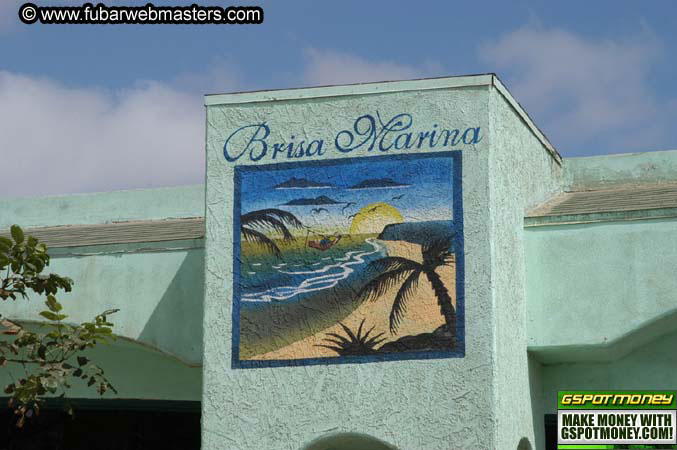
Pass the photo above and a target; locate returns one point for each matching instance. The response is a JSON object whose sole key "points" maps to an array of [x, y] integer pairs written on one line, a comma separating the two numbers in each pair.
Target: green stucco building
{"points": [[510, 272]]}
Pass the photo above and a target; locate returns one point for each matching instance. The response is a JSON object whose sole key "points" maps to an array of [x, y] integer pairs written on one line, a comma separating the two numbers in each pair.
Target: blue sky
{"points": [[424, 190], [95, 108]]}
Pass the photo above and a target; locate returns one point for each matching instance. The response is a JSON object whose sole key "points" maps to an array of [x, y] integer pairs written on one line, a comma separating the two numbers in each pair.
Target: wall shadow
{"points": [[612, 350], [175, 326]]}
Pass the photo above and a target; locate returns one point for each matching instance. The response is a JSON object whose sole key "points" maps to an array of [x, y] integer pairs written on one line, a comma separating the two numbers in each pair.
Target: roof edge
{"points": [[521, 112], [378, 87]]}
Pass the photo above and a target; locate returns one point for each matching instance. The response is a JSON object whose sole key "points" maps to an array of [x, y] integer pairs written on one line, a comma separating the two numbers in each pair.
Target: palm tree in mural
{"points": [[394, 270], [253, 226]]}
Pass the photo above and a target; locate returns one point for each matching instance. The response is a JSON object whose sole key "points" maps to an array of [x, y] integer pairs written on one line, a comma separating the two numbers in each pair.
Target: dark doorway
{"points": [[551, 432], [105, 425]]}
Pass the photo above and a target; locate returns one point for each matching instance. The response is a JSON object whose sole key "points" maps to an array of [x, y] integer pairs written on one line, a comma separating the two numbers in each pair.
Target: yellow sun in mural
{"points": [[373, 217]]}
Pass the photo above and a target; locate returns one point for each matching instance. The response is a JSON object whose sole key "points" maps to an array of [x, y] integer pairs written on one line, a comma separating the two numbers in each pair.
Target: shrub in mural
{"points": [[347, 258]]}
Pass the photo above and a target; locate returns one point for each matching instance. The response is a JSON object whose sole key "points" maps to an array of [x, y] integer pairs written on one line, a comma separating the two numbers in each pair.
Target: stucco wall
{"points": [[431, 404], [521, 174]]}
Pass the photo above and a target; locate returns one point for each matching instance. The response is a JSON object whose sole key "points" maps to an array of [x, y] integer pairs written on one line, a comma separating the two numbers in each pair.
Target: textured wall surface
{"points": [[423, 404], [521, 174]]}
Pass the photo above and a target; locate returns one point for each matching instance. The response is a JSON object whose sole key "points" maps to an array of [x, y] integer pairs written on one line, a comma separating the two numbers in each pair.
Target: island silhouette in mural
{"points": [[352, 258]]}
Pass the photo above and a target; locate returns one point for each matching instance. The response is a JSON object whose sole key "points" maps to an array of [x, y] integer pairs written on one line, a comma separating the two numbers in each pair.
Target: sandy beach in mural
{"points": [[423, 316], [352, 259]]}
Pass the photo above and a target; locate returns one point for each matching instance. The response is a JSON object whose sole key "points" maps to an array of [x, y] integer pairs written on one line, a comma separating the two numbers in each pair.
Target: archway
{"points": [[348, 441], [524, 444]]}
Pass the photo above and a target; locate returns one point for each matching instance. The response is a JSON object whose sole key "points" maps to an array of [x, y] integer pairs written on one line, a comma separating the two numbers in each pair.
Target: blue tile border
{"points": [[457, 194]]}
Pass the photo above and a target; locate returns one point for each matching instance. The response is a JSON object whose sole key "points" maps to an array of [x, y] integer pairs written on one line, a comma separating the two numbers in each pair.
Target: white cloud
{"points": [[330, 67], [584, 92], [57, 139]]}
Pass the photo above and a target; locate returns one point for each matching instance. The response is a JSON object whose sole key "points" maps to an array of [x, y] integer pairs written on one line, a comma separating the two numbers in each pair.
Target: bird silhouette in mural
{"points": [[253, 225], [373, 209], [352, 215], [318, 210], [397, 197], [348, 205]]}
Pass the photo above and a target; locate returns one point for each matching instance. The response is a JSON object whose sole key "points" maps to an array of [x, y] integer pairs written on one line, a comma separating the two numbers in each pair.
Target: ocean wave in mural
{"points": [[348, 260]]}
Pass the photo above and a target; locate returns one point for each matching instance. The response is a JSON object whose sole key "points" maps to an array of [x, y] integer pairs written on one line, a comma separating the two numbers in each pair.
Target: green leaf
{"points": [[39, 264], [42, 350], [17, 234], [49, 315], [6, 242], [52, 304], [82, 360]]}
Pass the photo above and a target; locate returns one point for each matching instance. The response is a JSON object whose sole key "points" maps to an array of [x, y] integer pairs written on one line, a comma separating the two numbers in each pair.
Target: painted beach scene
{"points": [[342, 259]]}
